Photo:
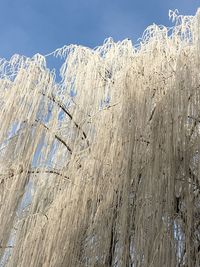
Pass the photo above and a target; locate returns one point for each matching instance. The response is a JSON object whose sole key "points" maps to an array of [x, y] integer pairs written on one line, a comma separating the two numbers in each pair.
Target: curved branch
{"points": [[11, 173], [61, 105], [57, 137], [48, 171]]}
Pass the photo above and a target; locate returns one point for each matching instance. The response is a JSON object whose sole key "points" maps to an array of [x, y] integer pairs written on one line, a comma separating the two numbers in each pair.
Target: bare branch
{"points": [[57, 137], [6, 246], [61, 105], [152, 113], [196, 120], [48, 171], [11, 173]]}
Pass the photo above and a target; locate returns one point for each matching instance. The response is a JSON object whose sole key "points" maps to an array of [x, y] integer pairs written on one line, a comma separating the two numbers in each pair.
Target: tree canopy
{"points": [[101, 168]]}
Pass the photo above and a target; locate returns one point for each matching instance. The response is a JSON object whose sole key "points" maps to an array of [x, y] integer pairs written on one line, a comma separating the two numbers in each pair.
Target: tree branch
{"points": [[152, 113], [61, 105], [6, 247], [11, 173], [196, 120], [48, 171], [57, 137]]}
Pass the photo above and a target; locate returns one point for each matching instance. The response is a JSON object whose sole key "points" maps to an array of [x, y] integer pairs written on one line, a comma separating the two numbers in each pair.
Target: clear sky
{"points": [[31, 26]]}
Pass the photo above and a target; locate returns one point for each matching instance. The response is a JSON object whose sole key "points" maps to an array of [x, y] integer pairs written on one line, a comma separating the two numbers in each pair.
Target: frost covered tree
{"points": [[102, 167]]}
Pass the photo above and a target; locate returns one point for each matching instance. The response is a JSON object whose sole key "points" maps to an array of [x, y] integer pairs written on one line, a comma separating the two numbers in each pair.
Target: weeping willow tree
{"points": [[102, 167]]}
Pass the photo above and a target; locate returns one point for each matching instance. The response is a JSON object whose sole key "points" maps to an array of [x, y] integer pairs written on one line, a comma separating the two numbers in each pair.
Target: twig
{"points": [[152, 113]]}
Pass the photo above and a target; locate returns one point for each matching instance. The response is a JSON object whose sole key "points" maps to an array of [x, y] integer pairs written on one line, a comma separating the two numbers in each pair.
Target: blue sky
{"points": [[31, 26]]}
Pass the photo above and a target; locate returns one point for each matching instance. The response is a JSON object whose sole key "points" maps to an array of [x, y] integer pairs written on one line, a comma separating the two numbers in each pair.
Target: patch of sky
{"points": [[37, 158], [51, 154], [72, 92], [61, 115], [54, 64], [104, 102], [26, 199], [43, 115], [14, 129]]}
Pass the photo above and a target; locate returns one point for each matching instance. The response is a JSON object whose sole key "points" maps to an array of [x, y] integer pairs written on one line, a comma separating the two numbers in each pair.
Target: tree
{"points": [[102, 168]]}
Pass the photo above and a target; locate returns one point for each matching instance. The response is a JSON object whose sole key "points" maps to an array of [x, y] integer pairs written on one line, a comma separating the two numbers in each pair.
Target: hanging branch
{"points": [[152, 113], [11, 173], [57, 102], [47, 128], [196, 120], [6, 247], [57, 137], [48, 171]]}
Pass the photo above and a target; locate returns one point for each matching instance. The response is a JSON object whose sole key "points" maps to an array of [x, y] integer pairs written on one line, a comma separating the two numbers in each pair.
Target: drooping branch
{"points": [[152, 113], [6, 247], [47, 128], [11, 173], [56, 172], [196, 120], [61, 105], [57, 137]]}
